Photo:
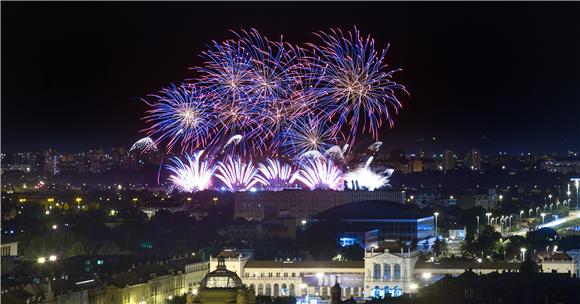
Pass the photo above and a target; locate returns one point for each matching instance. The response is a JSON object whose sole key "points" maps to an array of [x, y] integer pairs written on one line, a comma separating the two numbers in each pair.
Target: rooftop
{"points": [[305, 264]]}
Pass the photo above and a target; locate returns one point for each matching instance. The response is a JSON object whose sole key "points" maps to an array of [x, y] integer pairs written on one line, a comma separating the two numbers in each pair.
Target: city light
{"points": [[52, 258], [41, 260]]}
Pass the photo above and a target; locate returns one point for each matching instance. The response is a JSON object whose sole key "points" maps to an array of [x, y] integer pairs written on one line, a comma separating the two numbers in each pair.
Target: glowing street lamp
{"points": [[52, 258], [576, 181], [488, 220], [41, 260], [523, 250], [530, 213], [543, 216]]}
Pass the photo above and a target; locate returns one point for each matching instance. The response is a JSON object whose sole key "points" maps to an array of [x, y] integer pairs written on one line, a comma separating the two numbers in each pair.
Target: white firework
{"points": [[319, 174], [195, 175], [375, 146], [144, 145], [237, 175], [335, 153], [310, 155], [275, 175], [363, 178]]}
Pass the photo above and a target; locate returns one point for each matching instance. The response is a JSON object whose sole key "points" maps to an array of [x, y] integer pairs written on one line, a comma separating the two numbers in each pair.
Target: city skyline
{"points": [[104, 69]]}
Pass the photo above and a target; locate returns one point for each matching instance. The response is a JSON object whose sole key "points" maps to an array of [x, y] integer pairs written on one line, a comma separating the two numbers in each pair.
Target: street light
{"points": [[436, 215], [488, 215], [530, 213], [41, 260], [543, 216], [576, 181], [52, 258], [414, 287], [523, 250]]}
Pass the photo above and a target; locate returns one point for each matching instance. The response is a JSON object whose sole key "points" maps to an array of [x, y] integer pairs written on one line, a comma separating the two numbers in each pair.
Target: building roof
{"points": [[228, 253], [221, 278], [559, 256], [371, 210], [305, 264], [467, 265]]}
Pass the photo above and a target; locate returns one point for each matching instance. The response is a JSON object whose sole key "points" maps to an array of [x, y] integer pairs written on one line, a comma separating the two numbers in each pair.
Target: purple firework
{"points": [[356, 85], [181, 114]]}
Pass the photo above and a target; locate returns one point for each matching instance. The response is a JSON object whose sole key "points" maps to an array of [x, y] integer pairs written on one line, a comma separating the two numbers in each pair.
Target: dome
{"points": [[221, 278]]}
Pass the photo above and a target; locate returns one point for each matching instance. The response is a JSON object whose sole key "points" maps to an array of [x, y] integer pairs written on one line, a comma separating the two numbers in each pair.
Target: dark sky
{"points": [[497, 76]]}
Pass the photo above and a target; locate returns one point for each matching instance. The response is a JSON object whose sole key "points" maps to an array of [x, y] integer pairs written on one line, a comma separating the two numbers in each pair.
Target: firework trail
{"points": [[181, 115], [193, 175], [236, 175], [274, 175], [356, 83], [319, 174]]}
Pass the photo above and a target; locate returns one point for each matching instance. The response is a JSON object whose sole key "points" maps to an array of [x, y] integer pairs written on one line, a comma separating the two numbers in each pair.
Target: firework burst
{"points": [[144, 145], [194, 175], [307, 134], [236, 174], [356, 84], [319, 174], [181, 115], [275, 175]]}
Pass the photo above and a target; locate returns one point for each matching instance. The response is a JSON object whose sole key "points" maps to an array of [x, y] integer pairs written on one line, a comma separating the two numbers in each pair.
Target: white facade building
{"points": [[389, 271]]}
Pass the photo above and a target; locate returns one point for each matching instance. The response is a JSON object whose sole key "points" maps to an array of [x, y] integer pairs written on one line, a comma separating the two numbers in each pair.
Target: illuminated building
{"points": [[303, 204], [9, 249], [152, 282], [378, 221], [223, 286], [389, 270], [474, 160], [448, 162], [559, 262]]}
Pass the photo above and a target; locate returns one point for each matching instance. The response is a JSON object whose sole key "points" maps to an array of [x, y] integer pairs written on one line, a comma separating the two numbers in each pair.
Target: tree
{"points": [[440, 247], [77, 248], [109, 248]]}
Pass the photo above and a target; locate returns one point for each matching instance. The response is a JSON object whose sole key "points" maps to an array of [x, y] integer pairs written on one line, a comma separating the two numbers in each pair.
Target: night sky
{"points": [[496, 76]]}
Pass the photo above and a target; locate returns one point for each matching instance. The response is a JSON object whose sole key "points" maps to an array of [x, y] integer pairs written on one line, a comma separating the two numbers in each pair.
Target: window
{"points": [[397, 272], [285, 274], [386, 271], [376, 271], [270, 274]]}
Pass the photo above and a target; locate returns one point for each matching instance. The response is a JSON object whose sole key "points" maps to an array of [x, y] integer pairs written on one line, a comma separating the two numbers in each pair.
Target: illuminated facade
{"points": [[388, 271]]}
